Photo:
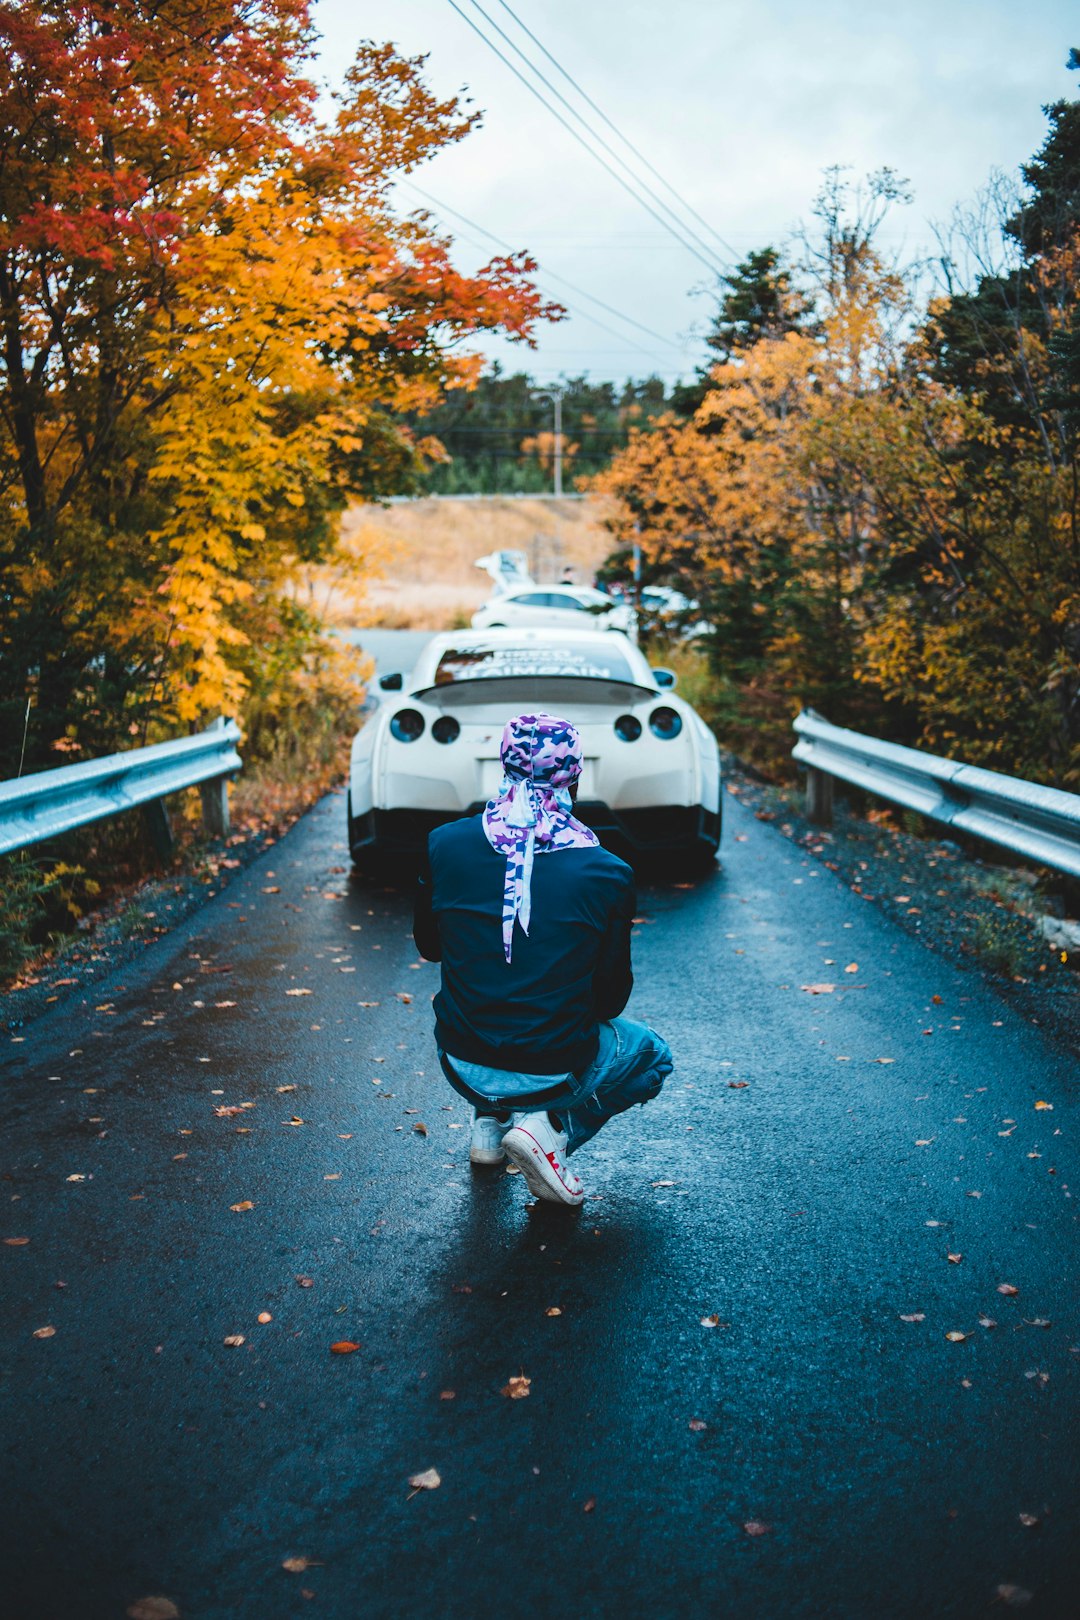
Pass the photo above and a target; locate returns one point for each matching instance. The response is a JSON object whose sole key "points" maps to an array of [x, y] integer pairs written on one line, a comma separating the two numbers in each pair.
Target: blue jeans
{"points": [[631, 1064]]}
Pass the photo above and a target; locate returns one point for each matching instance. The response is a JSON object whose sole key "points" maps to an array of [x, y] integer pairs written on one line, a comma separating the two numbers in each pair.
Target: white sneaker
{"points": [[486, 1146], [539, 1151]]}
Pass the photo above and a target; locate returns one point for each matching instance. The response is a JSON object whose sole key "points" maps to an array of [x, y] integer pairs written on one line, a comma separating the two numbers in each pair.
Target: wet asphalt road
{"points": [[810, 1167]]}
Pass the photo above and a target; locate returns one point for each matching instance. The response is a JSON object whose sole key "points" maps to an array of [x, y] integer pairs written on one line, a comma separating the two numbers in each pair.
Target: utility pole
{"points": [[555, 397]]}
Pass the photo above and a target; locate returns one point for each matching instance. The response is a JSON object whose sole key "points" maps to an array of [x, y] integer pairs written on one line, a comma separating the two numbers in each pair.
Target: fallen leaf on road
{"points": [[75, 1178], [1007, 1288], [344, 1347], [697, 1424], [403, 995], [306, 1282], [264, 1316], [955, 1259], [924, 1141], [16, 1243], [295, 1120], [227, 1110], [273, 888], [987, 1322], [587, 1506], [1014, 1597], [757, 1527], [420, 1128], [818, 989], [153, 1608], [954, 1336], [299, 992], [1049, 1107], [429, 1480], [883, 1060], [447, 1394], [517, 1388], [235, 1340], [914, 1316], [44, 1332], [553, 1310], [1028, 1519], [1037, 1321], [297, 1566], [335, 1177], [852, 967], [936, 1000], [713, 1321], [663, 1184], [280, 1089], [738, 1085], [244, 1204]]}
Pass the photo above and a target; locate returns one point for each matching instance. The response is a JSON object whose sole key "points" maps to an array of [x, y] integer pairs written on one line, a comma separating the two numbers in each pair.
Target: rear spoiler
{"points": [[531, 689]]}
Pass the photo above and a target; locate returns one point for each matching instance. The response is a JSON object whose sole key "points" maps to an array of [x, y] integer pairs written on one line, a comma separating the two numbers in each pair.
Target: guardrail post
{"points": [[156, 821], [215, 797], [819, 797]]}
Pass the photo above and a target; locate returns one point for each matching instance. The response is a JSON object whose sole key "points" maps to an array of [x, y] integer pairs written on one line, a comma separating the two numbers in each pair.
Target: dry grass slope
{"points": [[418, 557]]}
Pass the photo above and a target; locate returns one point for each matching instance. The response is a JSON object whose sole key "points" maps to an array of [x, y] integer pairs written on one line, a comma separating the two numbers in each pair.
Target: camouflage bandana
{"points": [[532, 813]]}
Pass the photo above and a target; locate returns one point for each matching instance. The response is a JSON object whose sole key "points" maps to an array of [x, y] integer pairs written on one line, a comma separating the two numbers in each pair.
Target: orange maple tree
{"points": [[212, 320]]}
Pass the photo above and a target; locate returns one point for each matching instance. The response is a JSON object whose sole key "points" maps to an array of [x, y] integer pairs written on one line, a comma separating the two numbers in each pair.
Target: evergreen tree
{"points": [[759, 301]]}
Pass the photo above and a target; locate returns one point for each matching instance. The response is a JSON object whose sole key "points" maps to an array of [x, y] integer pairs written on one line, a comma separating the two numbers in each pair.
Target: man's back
{"points": [[539, 1012]]}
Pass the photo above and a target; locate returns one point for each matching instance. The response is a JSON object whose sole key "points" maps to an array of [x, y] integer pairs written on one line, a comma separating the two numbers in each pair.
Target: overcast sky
{"points": [[740, 104]]}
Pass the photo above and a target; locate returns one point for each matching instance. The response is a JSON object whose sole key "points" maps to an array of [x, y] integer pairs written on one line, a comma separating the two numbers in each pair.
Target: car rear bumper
{"points": [[663, 829]]}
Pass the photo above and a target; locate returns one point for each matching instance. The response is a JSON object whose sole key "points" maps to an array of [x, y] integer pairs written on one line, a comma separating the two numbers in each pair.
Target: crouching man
{"points": [[530, 919]]}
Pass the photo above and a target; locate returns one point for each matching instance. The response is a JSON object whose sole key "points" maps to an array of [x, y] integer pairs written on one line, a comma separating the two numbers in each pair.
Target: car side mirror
{"points": [[392, 683], [666, 678]]}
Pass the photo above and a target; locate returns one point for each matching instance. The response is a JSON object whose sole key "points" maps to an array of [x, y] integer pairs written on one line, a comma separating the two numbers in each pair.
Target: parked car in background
{"points": [[430, 753], [672, 612], [558, 607]]}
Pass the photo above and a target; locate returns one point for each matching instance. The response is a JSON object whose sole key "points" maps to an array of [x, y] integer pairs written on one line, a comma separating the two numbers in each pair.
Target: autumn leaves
{"points": [[212, 340]]}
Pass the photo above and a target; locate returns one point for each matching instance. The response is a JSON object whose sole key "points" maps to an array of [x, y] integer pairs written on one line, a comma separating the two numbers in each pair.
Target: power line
{"points": [[600, 113], [574, 113], [709, 263], [552, 274]]}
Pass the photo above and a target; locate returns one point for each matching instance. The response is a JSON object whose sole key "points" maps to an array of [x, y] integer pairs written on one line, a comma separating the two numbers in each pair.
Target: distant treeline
{"points": [[499, 438]]}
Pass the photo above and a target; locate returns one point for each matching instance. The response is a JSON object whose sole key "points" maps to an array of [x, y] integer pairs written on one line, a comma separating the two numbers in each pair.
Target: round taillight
{"points": [[665, 723], [446, 729], [628, 727], [407, 725]]}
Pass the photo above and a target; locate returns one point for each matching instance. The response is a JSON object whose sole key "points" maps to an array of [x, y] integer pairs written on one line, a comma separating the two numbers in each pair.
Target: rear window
{"points": [[501, 663]]}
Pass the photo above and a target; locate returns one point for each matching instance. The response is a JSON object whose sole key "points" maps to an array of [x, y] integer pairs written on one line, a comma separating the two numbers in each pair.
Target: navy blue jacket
{"points": [[538, 1013]]}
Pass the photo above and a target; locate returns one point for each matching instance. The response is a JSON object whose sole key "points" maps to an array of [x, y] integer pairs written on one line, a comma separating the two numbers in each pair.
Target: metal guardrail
{"points": [[47, 803], [1040, 823]]}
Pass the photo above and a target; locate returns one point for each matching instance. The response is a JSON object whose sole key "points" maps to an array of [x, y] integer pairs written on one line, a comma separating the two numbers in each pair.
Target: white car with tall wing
{"points": [[430, 752]]}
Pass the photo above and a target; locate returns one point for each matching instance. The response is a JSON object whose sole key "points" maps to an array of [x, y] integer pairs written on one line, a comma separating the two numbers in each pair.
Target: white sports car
{"points": [[430, 752]]}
